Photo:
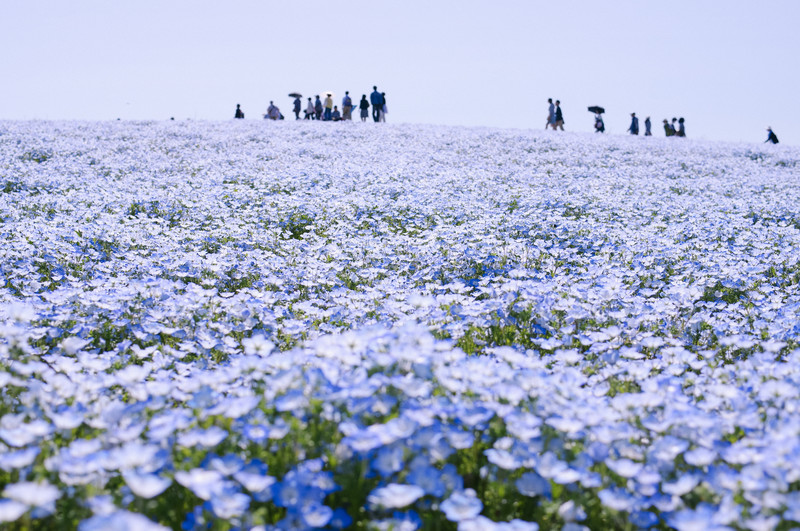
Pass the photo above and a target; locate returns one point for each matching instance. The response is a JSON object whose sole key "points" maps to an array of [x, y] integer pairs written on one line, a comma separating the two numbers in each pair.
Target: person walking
{"points": [[771, 136], [328, 107], [364, 106], [681, 128], [239, 113], [377, 103], [647, 124], [384, 108], [559, 117], [634, 128], [318, 108], [347, 106], [297, 106], [551, 115], [310, 114]]}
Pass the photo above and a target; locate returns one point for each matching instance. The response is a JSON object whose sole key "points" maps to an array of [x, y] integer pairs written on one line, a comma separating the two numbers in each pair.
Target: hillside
{"points": [[319, 325]]}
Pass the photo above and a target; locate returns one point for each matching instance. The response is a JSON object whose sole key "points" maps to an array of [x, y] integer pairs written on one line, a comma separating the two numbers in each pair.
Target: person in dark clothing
{"points": [[647, 124], [239, 113], [318, 108], [559, 117], [297, 105], [681, 128], [771, 137], [634, 128], [377, 103], [668, 129], [364, 106], [599, 125]]}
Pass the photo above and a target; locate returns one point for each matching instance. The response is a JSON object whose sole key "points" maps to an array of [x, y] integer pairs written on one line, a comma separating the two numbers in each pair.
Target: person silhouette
{"points": [[377, 103], [310, 115], [239, 113], [634, 128], [771, 137], [297, 105], [559, 117], [681, 128], [364, 106], [647, 125]]}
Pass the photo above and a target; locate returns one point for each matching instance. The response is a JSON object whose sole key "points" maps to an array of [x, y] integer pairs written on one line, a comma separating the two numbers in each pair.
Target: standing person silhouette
{"points": [[318, 108], [681, 128], [297, 106], [551, 115], [310, 113], [364, 106], [347, 106], [239, 113], [328, 108], [384, 108], [634, 128], [377, 104], [559, 117], [647, 125]]}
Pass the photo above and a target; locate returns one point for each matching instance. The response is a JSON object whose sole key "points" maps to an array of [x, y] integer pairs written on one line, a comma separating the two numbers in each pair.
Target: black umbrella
{"points": [[295, 95], [597, 110]]}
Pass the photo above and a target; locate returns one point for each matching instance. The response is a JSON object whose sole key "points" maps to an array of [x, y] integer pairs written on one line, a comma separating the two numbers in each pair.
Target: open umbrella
{"points": [[597, 110], [295, 95]]}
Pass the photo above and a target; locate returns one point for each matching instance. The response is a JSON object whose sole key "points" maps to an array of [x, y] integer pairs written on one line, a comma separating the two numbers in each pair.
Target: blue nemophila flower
{"points": [[462, 505], [253, 476], [18, 458], [229, 503], [122, 520], [10, 510], [315, 514], [389, 460], [395, 495], [33, 494], [427, 477], [532, 484], [203, 483], [146, 485]]}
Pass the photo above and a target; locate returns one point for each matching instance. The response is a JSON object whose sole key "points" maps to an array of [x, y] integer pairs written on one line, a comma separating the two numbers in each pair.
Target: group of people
{"points": [[555, 117], [670, 129], [327, 111]]}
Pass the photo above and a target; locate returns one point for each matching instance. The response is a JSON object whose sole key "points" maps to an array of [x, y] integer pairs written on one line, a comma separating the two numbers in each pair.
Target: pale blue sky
{"points": [[729, 67]]}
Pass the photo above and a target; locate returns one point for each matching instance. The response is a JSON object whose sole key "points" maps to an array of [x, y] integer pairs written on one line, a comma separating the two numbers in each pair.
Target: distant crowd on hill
{"points": [[326, 111], [677, 127]]}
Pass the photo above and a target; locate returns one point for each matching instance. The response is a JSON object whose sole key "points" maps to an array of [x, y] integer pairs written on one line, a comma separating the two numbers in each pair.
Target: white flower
{"points": [[32, 493], [146, 485], [395, 495]]}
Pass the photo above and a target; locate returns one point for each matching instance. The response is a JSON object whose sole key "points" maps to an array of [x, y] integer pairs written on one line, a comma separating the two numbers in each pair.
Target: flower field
{"points": [[349, 326]]}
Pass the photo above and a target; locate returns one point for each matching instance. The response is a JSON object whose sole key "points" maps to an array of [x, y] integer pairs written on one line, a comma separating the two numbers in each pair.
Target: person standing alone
{"points": [[239, 113], [647, 125], [377, 104]]}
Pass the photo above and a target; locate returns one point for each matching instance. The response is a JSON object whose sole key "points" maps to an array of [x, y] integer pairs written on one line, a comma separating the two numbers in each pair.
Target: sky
{"points": [[729, 67]]}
